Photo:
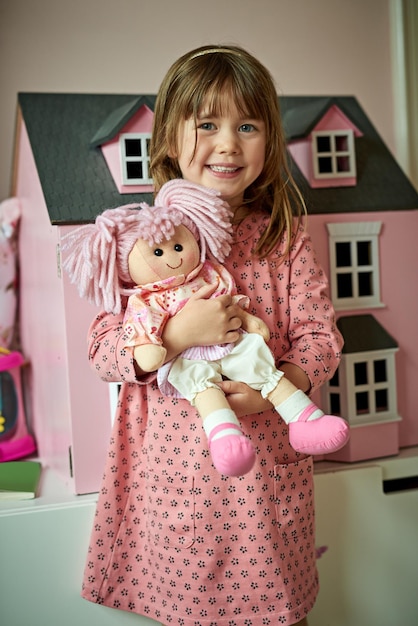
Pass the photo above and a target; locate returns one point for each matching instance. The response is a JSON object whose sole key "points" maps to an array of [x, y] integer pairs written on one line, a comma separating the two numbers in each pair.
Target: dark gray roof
{"points": [[75, 179], [65, 131], [363, 333], [381, 183], [119, 117], [302, 116]]}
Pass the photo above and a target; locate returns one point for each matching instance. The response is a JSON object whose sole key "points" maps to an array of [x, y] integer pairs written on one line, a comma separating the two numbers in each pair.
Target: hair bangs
{"points": [[218, 82]]}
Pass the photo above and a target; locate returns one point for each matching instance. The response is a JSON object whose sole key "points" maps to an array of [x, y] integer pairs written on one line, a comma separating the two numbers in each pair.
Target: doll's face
{"points": [[178, 255]]}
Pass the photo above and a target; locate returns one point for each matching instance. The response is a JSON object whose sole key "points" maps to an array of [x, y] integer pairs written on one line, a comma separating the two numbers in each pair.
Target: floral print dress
{"points": [[173, 539]]}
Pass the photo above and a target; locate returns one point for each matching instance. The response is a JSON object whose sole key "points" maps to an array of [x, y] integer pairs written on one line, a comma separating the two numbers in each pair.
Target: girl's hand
{"points": [[242, 399], [203, 321]]}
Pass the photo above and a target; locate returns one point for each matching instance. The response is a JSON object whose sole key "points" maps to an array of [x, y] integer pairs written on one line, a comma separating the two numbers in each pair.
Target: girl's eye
{"points": [[158, 252], [247, 128], [178, 247], [206, 126]]}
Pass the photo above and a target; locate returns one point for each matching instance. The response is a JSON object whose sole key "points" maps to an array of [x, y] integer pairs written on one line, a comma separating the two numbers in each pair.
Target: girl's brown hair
{"points": [[202, 77]]}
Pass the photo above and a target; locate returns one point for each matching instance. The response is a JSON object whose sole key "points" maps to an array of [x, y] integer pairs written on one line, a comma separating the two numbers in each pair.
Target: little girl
{"points": [[173, 539]]}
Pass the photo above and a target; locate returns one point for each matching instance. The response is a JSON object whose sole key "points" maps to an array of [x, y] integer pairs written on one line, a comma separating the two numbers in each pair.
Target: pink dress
{"points": [[172, 538]]}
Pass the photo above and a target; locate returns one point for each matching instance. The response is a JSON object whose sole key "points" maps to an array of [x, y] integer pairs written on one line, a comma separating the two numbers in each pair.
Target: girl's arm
{"points": [[202, 321], [107, 354], [315, 343], [246, 401]]}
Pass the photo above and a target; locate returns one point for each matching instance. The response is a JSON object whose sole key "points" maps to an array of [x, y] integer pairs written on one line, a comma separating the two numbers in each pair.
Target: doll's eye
{"points": [[158, 252], [178, 247]]}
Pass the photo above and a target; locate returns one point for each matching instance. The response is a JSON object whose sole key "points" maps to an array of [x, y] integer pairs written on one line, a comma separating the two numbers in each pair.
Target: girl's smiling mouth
{"points": [[223, 169]]}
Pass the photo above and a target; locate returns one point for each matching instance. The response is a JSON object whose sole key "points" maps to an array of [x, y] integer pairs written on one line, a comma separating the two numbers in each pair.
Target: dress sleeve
{"points": [[107, 352], [315, 342]]}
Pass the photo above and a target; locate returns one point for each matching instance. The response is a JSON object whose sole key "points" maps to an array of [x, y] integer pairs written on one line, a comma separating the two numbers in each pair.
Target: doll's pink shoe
{"points": [[319, 436], [232, 455]]}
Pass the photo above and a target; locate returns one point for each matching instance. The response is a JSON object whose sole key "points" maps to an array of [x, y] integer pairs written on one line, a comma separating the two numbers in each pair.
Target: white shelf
{"points": [[403, 465], [53, 493]]}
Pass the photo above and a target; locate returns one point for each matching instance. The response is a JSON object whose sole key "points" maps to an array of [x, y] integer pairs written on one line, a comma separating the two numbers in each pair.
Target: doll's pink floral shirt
{"points": [[150, 306], [173, 539]]}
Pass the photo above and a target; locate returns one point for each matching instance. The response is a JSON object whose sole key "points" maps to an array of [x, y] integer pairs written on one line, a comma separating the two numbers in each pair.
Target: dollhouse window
{"points": [[371, 388], [333, 154], [134, 149], [363, 389], [354, 264]]}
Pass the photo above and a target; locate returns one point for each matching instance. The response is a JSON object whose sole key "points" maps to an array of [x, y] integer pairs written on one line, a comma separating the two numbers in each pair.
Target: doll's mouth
{"points": [[175, 267]]}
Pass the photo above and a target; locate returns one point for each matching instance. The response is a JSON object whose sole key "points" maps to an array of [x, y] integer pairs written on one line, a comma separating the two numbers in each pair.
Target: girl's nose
{"points": [[227, 142]]}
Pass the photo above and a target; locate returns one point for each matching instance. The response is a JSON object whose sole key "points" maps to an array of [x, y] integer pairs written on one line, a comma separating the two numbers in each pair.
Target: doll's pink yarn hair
{"points": [[96, 255]]}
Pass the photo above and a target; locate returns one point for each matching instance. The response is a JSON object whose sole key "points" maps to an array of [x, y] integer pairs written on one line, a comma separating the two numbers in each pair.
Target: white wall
{"points": [[318, 47]]}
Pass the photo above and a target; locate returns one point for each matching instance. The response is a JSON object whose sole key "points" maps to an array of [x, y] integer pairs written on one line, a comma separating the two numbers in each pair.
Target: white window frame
{"points": [[347, 388], [143, 158], [372, 415], [334, 154], [353, 233]]}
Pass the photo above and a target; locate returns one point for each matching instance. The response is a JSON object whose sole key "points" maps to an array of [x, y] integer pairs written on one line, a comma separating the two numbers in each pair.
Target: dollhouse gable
{"points": [[378, 182], [124, 141], [322, 142]]}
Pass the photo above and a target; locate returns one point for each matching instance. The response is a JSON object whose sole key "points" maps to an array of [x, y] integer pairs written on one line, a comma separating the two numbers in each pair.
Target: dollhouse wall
{"points": [[398, 315], [70, 408]]}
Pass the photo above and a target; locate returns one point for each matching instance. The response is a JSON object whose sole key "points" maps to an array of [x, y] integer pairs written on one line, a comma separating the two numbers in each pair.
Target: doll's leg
{"points": [[310, 431], [232, 452]]}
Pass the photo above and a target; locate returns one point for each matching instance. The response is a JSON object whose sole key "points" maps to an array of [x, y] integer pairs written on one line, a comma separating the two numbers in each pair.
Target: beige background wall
{"points": [[315, 47]]}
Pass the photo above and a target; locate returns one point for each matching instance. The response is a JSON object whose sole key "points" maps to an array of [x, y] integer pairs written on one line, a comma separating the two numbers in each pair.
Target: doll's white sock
{"points": [[232, 452], [294, 406], [221, 418]]}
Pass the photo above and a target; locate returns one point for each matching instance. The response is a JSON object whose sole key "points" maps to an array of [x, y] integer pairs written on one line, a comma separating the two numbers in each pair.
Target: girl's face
{"points": [[225, 152]]}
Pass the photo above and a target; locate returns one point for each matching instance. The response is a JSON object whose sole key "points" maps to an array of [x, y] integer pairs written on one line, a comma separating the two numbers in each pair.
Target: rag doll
{"points": [[159, 257]]}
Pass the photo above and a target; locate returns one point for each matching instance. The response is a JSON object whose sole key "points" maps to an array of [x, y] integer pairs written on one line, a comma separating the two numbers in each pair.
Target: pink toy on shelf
{"points": [[15, 440], [9, 218]]}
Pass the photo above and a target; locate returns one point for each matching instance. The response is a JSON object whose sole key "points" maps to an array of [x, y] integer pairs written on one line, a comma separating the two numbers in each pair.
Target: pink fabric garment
{"points": [[173, 539], [151, 305]]}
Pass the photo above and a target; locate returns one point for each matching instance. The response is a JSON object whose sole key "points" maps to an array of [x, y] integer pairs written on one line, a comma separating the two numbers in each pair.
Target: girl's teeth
{"points": [[218, 168]]}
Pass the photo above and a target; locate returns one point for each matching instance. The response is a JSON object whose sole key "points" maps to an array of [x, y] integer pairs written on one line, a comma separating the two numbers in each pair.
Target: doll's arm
{"points": [[143, 325], [149, 357]]}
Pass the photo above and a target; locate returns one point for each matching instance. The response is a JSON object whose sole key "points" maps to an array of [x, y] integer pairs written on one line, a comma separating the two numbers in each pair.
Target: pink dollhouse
{"points": [[77, 154], [363, 213]]}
